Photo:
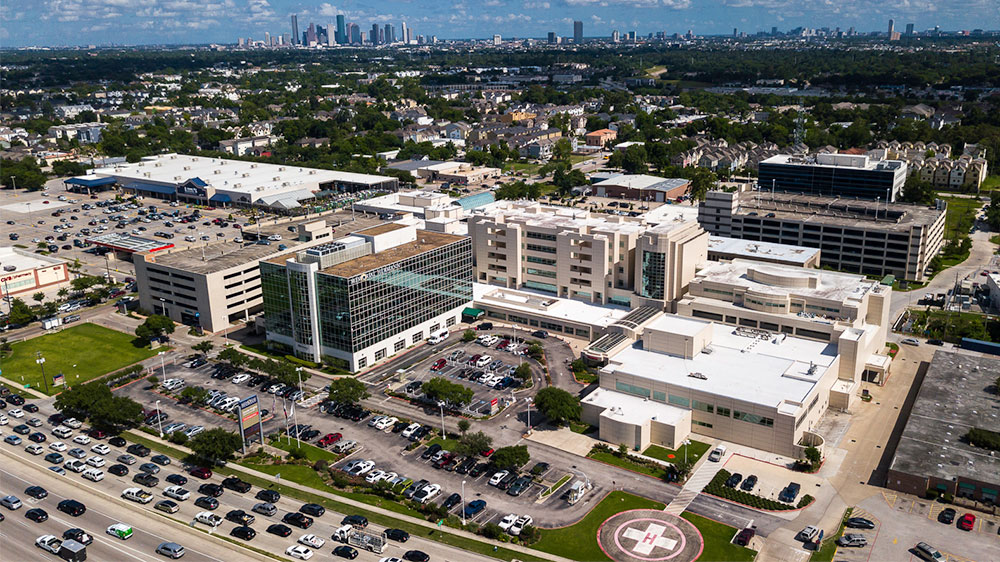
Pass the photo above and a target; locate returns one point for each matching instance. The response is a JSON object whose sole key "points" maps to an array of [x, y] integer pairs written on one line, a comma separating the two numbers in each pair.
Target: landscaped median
{"points": [[607, 455]]}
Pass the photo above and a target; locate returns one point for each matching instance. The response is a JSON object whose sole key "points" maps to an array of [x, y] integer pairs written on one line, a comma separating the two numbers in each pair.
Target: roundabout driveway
{"points": [[646, 535]]}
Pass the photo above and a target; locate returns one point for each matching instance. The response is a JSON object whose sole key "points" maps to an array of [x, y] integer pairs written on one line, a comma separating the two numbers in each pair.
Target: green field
{"points": [[313, 453], [577, 158], [579, 541], [990, 183], [81, 353], [694, 452], [961, 216], [718, 537]]}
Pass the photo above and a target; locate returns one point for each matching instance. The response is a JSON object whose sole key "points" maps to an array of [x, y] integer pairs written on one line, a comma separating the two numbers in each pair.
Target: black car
{"points": [[540, 334], [734, 480], [466, 465], [16, 399], [37, 514], [300, 520], [213, 490], [397, 535], [416, 556], [241, 517], [430, 451], [861, 523], [309, 435], [177, 479], [37, 437], [118, 469], [452, 501], [478, 469], [355, 520], [78, 535], [162, 460], [37, 492], [207, 502], [269, 496], [935, 342], [947, 516], [245, 533], [749, 483], [116, 441], [540, 468], [72, 507], [146, 479], [138, 450], [235, 484], [30, 408], [790, 492], [22, 429], [280, 530], [56, 419], [485, 326], [313, 509], [345, 551]]}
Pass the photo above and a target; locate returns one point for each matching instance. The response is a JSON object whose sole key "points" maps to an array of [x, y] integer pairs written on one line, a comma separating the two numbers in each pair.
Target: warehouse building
{"points": [[856, 236], [368, 296], [222, 182]]}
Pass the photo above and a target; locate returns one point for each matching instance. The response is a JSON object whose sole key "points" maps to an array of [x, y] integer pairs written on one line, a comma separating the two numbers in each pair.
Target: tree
{"points": [[464, 425], [512, 457], [62, 293], [468, 336], [38, 297], [203, 347], [813, 456], [20, 312], [95, 402], [155, 326], [523, 372], [195, 394], [702, 181], [453, 394], [233, 357], [557, 405], [918, 191], [215, 445], [347, 390], [474, 443], [562, 149], [993, 211]]}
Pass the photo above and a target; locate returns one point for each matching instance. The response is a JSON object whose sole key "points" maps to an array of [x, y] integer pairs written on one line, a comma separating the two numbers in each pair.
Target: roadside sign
{"points": [[494, 406]]}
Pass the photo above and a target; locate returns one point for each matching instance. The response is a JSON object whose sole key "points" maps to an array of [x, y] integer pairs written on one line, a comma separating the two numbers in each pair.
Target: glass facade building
{"points": [[363, 314]]}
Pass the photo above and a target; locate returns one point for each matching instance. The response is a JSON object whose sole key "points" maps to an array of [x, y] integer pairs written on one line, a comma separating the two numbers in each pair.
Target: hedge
{"points": [[717, 487]]}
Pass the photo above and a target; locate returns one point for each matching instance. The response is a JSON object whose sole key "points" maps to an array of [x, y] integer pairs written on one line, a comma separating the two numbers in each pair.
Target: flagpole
{"points": [[288, 438], [295, 420]]}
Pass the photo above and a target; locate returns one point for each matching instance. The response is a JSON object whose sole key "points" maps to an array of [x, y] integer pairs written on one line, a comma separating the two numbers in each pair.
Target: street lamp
{"points": [[41, 363], [163, 367], [463, 503], [159, 418], [444, 434], [225, 325], [528, 401], [685, 443], [163, 303]]}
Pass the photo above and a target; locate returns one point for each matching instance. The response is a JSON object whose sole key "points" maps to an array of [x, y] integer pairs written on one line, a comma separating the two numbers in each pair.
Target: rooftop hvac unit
{"points": [[246, 175], [158, 164], [253, 165], [700, 376], [177, 178], [281, 169], [147, 174], [173, 157], [216, 171], [276, 178], [311, 172]]}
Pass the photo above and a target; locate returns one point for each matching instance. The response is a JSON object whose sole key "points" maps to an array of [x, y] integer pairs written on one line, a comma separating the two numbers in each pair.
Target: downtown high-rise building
{"points": [[295, 29], [389, 33], [341, 30], [311, 38], [355, 33], [892, 27], [405, 34], [497, 40], [909, 29], [577, 32], [374, 34]]}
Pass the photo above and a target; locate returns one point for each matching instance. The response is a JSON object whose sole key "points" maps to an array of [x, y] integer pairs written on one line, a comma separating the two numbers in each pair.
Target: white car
{"points": [[386, 423], [498, 477], [374, 476], [58, 446], [507, 521], [299, 551], [311, 540], [410, 429], [4, 420], [374, 421], [522, 522], [176, 492], [72, 423], [81, 439], [427, 493], [363, 468], [34, 449], [240, 378], [76, 465], [100, 449], [15, 413], [95, 461]]}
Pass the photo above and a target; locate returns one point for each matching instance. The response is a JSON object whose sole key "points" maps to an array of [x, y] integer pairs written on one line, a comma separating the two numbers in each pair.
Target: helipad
{"points": [[647, 535]]}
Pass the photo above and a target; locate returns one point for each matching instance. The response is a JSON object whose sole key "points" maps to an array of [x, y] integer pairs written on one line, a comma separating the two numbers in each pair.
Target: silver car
{"points": [[170, 550], [266, 509], [11, 502]]}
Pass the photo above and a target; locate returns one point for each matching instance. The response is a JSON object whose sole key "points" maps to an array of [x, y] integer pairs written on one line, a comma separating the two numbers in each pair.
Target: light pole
{"points": [[295, 418], [41, 363], [163, 303], [107, 267], [463, 503], [444, 434], [528, 401], [685, 443], [163, 368], [225, 333], [159, 418]]}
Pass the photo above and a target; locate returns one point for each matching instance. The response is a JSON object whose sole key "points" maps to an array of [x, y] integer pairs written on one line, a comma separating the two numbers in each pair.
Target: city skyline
{"points": [[102, 22]]}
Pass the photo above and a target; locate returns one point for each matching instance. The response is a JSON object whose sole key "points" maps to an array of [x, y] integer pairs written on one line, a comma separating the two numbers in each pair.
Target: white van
{"points": [[483, 361], [62, 432], [93, 474], [438, 337]]}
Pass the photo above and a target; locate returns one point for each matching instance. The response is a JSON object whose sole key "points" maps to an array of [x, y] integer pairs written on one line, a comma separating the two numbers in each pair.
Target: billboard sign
{"points": [[249, 420], [494, 406]]}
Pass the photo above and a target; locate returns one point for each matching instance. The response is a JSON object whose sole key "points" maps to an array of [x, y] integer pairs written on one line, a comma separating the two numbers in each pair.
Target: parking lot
{"points": [[771, 478]]}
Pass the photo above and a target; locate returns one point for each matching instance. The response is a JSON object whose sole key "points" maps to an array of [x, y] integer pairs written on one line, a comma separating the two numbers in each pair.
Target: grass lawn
{"points": [[446, 444], [717, 538], [828, 548], [991, 182], [995, 239], [580, 427], [81, 353], [961, 213], [579, 541], [313, 453], [604, 456], [526, 167], [577, 158], [694, 452]]}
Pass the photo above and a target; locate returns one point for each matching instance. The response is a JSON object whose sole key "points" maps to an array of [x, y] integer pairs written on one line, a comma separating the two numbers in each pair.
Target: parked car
{"points": [[789, 493], [749, 483], [967, 522], [852, 540], [947, 516], [743, 537], [860, 523]]}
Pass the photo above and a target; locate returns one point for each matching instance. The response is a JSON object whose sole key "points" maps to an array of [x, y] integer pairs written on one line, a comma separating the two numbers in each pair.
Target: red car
{"points": [[502, 345], [439, 364], [329, 439], [967, 522], [201, 472], [487, 452]]}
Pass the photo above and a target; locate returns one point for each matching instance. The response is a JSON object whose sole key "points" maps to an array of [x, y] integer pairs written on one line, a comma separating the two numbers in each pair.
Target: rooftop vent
{"points": [[698, 376]]}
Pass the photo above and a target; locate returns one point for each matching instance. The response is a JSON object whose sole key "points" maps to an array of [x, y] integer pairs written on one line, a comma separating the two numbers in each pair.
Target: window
{"points": [[720, 411], [718, 292], [380, 354], [540, 272], [706, 315], [703, 406], [537, 248], [661, 396], [417, 337], [362, 362], [543, 261], [679, 401], [701, 423], [537, 285], [812, 334], [435, 327], [450, 321], [637, 390], [653, 275], [748, 322], [753, 418], [541, 236], [399, 346], [620, 301], [769, 326]]}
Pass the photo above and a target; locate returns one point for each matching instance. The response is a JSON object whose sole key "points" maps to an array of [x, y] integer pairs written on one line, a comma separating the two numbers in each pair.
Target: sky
{"points": [[138, 22]]}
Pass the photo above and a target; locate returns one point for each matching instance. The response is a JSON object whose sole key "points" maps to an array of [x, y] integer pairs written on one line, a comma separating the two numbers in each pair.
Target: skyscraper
{"points": [[909, 29], [374, 34], [341, 29], [295, 29], [387, 33], [577, 32], [616, 36], [404, 36], [497, 40], [311, 34], [331, 34], [552, 38], [355, 33], [892, 25]]}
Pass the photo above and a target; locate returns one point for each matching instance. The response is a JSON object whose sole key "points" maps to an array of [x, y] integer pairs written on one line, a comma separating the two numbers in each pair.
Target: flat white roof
{"points": [[642, 181], [633, 409], [677, 324], [764, 372], [760, 250], [832, 285], [23, 260], [557, 217], [527, 301], [671, 213]]}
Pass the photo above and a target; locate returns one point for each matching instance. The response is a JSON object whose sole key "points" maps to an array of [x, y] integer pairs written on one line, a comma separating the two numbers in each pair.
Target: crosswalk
{"points": [[695, 484]]}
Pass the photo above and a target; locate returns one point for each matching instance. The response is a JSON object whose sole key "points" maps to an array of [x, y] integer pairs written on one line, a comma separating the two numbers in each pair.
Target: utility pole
{"points": [[41, 363]]}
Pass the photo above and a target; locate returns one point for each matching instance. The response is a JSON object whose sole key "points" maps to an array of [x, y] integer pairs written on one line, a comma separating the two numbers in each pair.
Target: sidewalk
{"points": [[702, 473], [382, 511], [21, 388]]}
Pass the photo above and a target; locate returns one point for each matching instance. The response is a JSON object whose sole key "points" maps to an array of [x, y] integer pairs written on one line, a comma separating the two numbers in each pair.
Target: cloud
{"points": [[537, 5]]}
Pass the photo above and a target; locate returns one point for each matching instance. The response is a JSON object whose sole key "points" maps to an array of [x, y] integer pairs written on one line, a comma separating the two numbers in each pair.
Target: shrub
{"points": [[530, 534], [931, 494], [178, 437], [806, 500], [948, 497], [321, 465], [491, 531], [297, 453], [717, 487], [984, 438], [152, 380]]}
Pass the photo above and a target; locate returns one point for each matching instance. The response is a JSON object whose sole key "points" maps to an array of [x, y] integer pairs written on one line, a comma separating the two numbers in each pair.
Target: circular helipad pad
{"points": [[646, 535]]}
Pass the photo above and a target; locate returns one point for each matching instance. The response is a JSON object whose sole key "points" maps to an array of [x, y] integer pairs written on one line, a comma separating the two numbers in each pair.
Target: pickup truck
{"points": [[137, 495], [208, 518]]}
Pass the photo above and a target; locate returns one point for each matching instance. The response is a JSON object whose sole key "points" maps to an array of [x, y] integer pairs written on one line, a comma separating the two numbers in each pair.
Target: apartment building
{"points": [[217, 285], [365, 297], [596, 258], [834, 175], [856, 236]]}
